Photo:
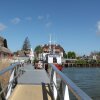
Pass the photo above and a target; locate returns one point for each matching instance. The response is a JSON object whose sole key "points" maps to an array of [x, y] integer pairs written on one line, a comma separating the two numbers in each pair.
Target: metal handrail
{"points": [[78, 93], [8, 68], [8, 83]]}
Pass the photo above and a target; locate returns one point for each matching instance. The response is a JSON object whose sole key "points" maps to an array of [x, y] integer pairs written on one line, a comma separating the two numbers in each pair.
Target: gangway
{"points": [[26, 83]]}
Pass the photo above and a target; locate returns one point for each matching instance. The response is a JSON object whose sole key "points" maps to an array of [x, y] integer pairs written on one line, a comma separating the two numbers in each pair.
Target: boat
{"points": [[60, 67], [55, 59], [53, 56]]}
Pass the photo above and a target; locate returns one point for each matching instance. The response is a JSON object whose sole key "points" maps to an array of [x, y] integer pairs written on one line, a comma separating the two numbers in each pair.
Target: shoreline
{"points": [[81, 65]]}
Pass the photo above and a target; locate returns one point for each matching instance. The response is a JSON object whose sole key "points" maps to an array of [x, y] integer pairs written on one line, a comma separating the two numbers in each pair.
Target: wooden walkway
{"points": [[32, 85]]}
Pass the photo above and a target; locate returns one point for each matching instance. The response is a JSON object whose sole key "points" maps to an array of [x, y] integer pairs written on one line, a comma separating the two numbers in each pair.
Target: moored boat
{"points": [[60, 67]]}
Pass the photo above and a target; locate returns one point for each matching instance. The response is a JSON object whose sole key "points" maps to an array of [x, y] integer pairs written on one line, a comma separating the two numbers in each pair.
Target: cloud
{"points": [[40, 17], [28, 18], [98, 27], [46, 20], [2, 27], [48, 24], [16, 20], [46, 17]]}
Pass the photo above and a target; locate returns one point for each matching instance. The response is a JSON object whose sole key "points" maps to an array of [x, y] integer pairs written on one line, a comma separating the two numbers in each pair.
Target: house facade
{"points": [[53, 48]]}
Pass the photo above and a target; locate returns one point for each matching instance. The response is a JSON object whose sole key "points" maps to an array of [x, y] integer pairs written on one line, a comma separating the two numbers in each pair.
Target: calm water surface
{"points": [[88, 79]]}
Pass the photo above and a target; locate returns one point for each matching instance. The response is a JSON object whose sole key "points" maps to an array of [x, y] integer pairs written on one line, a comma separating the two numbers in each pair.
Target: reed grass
{"points": [[4, 79]]}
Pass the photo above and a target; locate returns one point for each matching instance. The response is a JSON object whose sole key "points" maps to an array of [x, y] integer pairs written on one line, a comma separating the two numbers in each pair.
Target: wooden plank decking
{"points": [[31, 92]]}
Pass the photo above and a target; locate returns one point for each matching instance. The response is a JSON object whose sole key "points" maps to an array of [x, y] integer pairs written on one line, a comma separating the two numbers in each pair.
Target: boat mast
{"points": [[50, 44], [54, 47]]}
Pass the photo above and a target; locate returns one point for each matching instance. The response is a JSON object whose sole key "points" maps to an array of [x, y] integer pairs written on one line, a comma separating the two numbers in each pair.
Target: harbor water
{"points": [[88, 79]]}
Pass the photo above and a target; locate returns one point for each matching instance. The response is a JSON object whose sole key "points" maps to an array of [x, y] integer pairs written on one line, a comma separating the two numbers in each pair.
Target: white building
{"points": [[31, 55], [52, 49]]}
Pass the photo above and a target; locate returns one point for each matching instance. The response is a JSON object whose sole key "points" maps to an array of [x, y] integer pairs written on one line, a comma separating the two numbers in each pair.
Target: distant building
{"points": [[52, 52], [31, 55], [94, 57], [4, 52], [55, 48]]}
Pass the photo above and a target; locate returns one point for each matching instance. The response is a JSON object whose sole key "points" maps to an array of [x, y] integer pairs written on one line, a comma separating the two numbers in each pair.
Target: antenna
{"points": [[54, 47], [50, 44], [54, 44]]}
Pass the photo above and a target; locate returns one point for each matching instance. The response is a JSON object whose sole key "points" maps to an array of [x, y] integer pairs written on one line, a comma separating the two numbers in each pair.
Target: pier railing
{"points": [[14, 73], [61, 93], [66, 85]]}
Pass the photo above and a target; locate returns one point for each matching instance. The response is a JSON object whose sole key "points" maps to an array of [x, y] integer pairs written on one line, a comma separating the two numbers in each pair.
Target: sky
{"points": [[74, 24]]}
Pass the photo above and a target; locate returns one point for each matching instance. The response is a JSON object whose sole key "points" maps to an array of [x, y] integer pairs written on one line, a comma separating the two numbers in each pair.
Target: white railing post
{"points": [[67, 85], [55, 85], [10, 84], [66, 93]]}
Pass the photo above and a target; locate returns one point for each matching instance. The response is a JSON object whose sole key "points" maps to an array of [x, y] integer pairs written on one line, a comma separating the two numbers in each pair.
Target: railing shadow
{"points": [[47, 93]]}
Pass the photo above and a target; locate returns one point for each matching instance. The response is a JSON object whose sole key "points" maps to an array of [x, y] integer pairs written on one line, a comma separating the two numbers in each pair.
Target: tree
{"points": [[38, 49], [80, 61], [26, 44], [5, 43], [65, 55], [71, 54]]}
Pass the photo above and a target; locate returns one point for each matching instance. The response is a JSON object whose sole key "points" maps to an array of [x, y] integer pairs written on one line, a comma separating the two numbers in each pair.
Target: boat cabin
{"points": [[53, 58]]}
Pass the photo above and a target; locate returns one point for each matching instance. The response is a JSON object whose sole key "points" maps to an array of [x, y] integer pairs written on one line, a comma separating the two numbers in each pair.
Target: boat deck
{"points": [[33, 84]]}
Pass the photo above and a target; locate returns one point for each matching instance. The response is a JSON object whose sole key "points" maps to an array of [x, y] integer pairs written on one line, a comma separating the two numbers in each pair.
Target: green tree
{"points": [[71, 55], [26, 44], [80, 61], [38, 49], [65, 55]]}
